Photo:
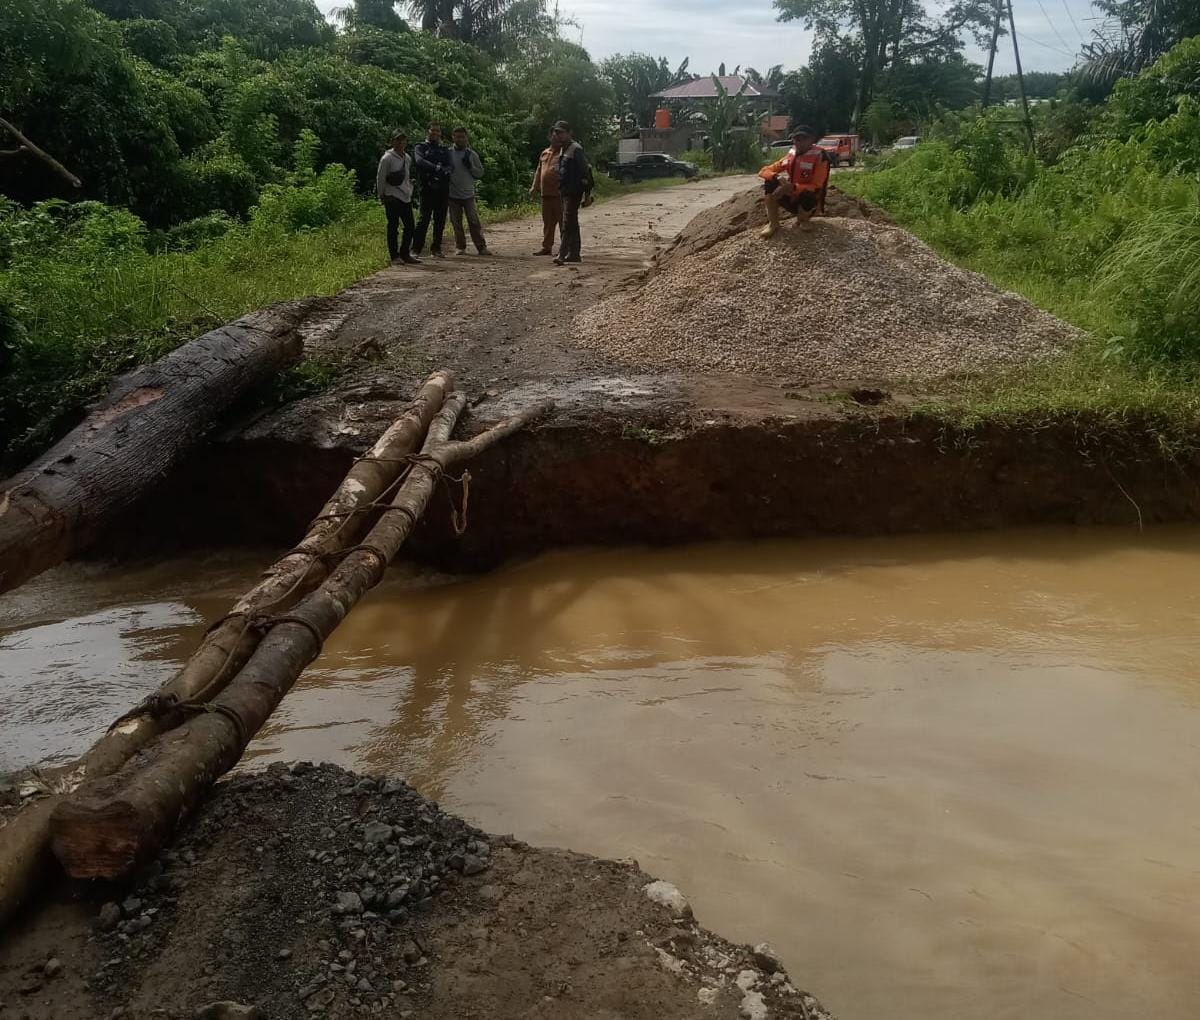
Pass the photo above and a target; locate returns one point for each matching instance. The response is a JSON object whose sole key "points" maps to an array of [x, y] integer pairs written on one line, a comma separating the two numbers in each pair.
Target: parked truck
{"points": [[840, 148]]}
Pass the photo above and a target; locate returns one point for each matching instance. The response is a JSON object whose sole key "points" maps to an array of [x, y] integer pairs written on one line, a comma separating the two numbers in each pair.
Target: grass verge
{"points": [[1097, 382]]}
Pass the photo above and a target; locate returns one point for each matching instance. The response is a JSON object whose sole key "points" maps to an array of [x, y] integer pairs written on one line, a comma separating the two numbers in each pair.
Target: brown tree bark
{"points": [[226, 647], [59, 503], [111, 824], [27, 146]]}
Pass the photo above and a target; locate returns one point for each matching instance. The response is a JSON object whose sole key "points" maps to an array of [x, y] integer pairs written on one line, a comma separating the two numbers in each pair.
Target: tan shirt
{"points": [[545, 178]]}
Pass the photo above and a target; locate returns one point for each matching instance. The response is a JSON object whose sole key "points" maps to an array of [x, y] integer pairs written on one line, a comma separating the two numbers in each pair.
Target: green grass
{"points": [[1072, 269]]}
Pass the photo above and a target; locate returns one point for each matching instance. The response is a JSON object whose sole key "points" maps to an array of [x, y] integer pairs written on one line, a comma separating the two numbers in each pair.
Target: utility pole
{"points": [[1012, 25], [987, 82]]}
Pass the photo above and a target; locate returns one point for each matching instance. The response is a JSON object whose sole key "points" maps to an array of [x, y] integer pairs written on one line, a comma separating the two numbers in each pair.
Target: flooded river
{"points": [[946, 777]]}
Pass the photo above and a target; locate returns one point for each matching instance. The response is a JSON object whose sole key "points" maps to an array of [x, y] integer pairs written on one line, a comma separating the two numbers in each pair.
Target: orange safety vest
{"points": [[807, 172]]}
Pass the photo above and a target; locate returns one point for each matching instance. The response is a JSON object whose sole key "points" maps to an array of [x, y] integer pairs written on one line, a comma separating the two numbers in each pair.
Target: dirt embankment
{"points": [[312, 891], [656, 453]]}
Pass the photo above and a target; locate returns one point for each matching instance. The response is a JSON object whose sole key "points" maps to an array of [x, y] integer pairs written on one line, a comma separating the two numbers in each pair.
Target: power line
{"points": [[1038, 42], [1053, 27], [1074, 23]]}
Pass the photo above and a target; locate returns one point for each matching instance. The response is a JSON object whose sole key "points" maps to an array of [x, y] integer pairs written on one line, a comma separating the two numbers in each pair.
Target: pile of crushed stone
{"points": [[313, 892], [745, 211], [851, 299]]}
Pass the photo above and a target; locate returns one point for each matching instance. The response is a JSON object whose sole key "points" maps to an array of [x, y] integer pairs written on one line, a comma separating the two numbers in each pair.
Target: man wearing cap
{"points": [[797, 182], [394, 188], [575, 184]]}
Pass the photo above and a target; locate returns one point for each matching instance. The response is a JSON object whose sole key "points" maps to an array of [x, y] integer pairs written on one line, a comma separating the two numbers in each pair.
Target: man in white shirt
{"points": [[394, 186]]}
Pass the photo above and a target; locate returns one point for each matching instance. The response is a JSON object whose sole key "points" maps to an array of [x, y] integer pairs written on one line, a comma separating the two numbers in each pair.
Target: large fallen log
{"points": [[227, 645], [111, 824], [151, 416]]}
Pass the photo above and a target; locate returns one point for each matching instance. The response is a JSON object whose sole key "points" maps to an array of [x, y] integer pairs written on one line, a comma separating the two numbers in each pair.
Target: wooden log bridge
{"points": [[24, 841], [112, 823]]}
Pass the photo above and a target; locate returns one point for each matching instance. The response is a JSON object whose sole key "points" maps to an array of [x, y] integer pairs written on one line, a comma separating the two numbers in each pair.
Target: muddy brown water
{"points": [[946, 776]]}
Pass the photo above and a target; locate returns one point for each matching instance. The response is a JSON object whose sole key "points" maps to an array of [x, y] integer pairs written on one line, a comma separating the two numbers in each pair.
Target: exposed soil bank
{"points": [[624, 474], [666, 457], [317, 892]]}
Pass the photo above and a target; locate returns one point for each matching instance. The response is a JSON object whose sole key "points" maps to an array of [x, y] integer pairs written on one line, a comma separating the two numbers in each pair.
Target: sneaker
{"points": [[485, 251], [559, 261], [543, 251], [416, 252], [410, 260], [460, 251], [437, 253], [573, 259]]}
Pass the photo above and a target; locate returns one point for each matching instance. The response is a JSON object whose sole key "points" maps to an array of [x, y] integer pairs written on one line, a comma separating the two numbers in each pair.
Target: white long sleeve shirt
{"points": [[389, 163]]}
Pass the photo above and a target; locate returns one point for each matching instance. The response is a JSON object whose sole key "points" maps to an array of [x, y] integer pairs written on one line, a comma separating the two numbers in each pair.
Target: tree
{"points": [[372, 14], [634, 78], [726, 124], [1144, 31], [74, 88], [557, 80], [890, 32], [501, 27], [823, 93], [773, 79]]}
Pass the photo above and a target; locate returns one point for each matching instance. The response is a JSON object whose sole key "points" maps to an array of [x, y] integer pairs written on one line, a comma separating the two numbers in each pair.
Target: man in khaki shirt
{"points": [[545, 183]]}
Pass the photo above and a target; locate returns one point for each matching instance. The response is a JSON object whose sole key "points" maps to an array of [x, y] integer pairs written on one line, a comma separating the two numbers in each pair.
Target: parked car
{"points": [[840, 148], [907, 142], [779, 147], [649, 165]]}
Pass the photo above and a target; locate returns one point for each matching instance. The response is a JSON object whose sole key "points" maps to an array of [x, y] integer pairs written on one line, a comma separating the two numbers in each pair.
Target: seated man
{"points": [[797, 182]]}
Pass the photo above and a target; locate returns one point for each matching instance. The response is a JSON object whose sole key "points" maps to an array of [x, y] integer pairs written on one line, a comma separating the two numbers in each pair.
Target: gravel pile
{"points": [[850, 299], [327, 891]]}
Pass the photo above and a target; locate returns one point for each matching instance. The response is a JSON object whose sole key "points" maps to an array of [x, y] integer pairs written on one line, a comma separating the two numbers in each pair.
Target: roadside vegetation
{"points": [[1100, 225], [227, 153]]}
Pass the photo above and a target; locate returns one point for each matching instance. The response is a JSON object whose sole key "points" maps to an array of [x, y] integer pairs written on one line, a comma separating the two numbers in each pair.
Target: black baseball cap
{"points": [[801, 129], [561, 125]]}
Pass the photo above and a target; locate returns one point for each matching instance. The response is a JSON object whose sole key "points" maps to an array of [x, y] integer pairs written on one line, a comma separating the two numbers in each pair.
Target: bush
{"points": [[1152, 276], [193, 234], [324, 198]]}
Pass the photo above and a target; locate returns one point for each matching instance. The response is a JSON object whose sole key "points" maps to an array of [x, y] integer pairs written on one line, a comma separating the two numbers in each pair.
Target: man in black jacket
{"points": [[433, 176], [575, 183]]}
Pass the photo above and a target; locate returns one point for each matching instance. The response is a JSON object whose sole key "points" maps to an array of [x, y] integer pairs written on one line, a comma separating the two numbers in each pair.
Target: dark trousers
{"points": [[433, 207], [569, 247], [397, 213], [459, 207], [551, 219]]}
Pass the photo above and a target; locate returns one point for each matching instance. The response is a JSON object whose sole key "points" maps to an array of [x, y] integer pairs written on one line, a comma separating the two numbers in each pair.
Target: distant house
{"points": [[704, 88], [678, 138]]}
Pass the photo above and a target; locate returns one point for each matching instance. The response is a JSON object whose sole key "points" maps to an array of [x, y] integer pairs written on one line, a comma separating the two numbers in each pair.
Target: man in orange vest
{"points": [[797, 182]]}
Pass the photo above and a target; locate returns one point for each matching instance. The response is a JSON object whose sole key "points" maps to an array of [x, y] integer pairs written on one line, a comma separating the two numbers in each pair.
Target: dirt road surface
{"points": [[502, 324]]}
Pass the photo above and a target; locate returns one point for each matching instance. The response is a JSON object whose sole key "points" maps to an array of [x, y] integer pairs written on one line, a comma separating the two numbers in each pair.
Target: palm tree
{"points": [[1143, 31]]}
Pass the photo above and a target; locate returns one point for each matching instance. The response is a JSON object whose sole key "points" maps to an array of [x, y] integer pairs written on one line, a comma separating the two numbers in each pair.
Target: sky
{"points": [[745, 32]]}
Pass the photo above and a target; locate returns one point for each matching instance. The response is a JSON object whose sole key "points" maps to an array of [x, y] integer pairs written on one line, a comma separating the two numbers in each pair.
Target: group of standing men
{"points": [[443, 180]]}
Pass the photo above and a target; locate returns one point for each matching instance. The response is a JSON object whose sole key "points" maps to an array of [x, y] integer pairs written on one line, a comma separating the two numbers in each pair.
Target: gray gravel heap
{"points": [[851, 299], [357, 860]]}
